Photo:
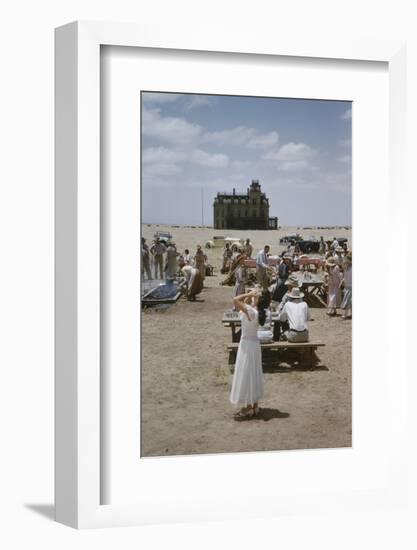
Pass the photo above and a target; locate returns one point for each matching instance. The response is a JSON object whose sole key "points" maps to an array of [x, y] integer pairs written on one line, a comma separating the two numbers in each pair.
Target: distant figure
{"points": [[240, 275], [248, 249], [346, 305], [338, 258], [283, 273], [171, 262], [194, 281], [158, 250], [187, 257], [333, 279], [297, 313], [335, 244], [227, 259], [200, 260], [262, 266], [145, 260], [322, 247]]}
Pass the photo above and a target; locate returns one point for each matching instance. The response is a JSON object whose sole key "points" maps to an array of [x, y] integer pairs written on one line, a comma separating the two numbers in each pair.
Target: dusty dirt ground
{"points": [[186, 378]]}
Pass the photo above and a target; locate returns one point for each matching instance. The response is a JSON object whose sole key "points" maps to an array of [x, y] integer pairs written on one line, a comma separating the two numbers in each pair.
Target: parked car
{"points": [[164, 236], [308, 246], [291, 238]]}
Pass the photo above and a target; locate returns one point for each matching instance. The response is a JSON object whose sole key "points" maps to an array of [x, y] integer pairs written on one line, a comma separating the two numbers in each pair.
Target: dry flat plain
{"points": [[186, 378]]}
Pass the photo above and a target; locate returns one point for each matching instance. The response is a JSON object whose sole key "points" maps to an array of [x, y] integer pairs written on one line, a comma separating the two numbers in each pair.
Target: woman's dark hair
{"points": [[263, 304]]}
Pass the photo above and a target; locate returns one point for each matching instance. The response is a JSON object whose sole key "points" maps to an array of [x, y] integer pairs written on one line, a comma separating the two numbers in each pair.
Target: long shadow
{"points": [[267, 414], [45, 510], [269, 368]]}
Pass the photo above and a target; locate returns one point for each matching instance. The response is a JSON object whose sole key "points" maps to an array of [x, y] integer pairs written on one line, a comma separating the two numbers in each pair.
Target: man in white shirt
{"points": [[297, 313], [261, 267]]}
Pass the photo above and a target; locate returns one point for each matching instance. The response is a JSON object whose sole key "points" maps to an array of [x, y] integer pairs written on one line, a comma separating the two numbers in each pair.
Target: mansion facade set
{"points": [[243, 211]]}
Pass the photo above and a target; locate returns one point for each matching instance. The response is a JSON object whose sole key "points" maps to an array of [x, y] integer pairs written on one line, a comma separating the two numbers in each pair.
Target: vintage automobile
{"points": [[291, 238], [164, 236], [309, 245]]}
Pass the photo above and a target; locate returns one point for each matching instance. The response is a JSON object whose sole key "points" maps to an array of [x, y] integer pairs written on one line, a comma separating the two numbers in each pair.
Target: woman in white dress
{"points": [[248, 382], [333, 279], [346, 305]]}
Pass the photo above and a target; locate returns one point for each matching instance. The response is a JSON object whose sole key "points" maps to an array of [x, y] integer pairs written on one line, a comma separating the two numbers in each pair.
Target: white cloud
{"points": [[234, 136], [208, 160], [346, 115], [196, 101], [159, 97], [263, 141], [153, 155], [172, 129], [290, 152], [291, 156], [160, 169]]}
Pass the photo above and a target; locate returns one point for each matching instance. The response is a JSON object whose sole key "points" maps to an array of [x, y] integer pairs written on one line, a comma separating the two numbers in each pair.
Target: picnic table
{"points": [[231, 319], [312, 286]]}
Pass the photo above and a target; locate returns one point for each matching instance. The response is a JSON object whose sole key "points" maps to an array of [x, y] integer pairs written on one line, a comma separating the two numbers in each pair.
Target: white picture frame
{"points": [[78, 405]]}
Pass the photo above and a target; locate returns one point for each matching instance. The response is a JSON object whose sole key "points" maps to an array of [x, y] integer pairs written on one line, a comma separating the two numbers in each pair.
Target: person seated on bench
{"points": [[297, 313], [282, 326]]}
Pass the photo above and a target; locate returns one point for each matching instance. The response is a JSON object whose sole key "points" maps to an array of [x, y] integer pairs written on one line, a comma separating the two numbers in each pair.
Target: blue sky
{"points": [[196, 145]]}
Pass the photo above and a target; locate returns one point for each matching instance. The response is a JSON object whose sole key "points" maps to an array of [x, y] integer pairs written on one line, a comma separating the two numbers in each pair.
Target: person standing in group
{"points": [[248, 381], [145, 260], [296, 312], [200, 260], [334, 245], [171, 262], [346, 305], [262, 266], [322, 247], [333, 278], [240, 275], [283, 273], [338, 256], [248, 248], [227, 259], [158, 250]]}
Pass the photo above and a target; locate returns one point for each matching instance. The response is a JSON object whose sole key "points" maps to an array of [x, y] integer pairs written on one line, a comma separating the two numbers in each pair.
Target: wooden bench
{"points": [[310, 347]]}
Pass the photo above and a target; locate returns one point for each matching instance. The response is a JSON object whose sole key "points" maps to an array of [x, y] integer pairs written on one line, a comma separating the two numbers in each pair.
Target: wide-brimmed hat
{"points": [[295, 294], [331, 261], [339, 249], [292, 281]]}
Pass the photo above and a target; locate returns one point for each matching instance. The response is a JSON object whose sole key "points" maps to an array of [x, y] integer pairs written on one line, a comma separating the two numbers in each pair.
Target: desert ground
{"points": [[186, 378]]}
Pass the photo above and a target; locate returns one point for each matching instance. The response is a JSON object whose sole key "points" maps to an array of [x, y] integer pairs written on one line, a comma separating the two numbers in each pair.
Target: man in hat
{"points": [[297, 314], [262, 266], [158, 250], [282, 326], [145, 260]]}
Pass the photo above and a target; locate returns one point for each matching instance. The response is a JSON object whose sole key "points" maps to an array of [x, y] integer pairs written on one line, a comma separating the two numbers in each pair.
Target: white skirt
{"points": [[248, 379]]}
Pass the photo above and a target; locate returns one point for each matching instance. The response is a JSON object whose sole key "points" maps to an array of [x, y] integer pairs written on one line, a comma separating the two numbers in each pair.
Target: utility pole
{"points": [[202, 207]]}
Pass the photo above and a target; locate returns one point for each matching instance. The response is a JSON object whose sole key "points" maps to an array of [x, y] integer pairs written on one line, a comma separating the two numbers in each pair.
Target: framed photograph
{"points": [[211, 193]]}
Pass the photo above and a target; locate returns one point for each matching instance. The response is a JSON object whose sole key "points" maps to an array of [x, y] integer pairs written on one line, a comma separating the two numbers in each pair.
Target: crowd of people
{"points": [[168, 264], [277, 294], [292, 314]]}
